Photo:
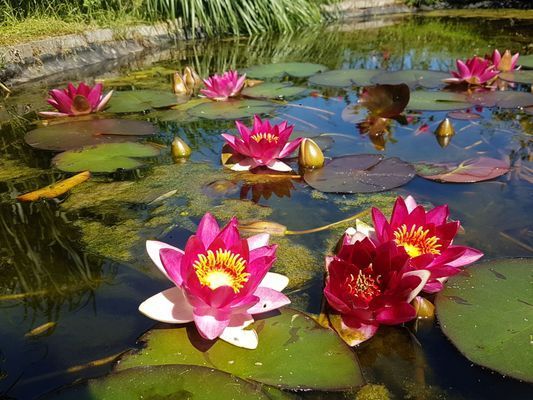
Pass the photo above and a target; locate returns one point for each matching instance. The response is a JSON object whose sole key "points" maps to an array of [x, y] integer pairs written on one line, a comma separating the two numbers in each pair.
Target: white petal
{"points": [[280, 166], [169, 306], [275, 281], [244, 165], [424, 275], [364, 228], [410, 203], [257, 241], [239, 337], [153, 247]]}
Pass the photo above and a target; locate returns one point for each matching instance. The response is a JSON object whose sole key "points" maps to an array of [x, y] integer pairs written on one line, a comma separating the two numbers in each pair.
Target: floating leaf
{"points": [[487, 313], [515, 100], [73, 135], [361, 173], [295, 69], [413, 78], [166, 382], [294, 352], [107, 157], [463, 115], [469, 171], [344, 78], [525, 77], [437, 101], [385, 100], [526, 61], [231, 109], [130, 101], [56, 189], [274, 90]]}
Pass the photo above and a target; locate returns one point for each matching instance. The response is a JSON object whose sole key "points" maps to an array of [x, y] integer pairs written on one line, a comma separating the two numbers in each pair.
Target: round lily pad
{"points": [[487, 313], [360, 173], [344, 78], [231, 109], [73, 135], [165, 382], [294, 353], [273, 90], [295, 69], [469, 171], [526, 61], [131, 101], [106, 157], [413, 78], [422, 100], [518, 77]]}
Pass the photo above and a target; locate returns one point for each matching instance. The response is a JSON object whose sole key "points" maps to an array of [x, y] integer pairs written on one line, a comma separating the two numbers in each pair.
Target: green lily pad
{"points": [[294, 352], [295, 69], [422, 100], [131, 101], [413, 78], [271, 90], [76, 134], [518, 77], [344, 78], [231, 109], [107, 157], [165, 382], [526, 61], [487, 313], [360, 173]]}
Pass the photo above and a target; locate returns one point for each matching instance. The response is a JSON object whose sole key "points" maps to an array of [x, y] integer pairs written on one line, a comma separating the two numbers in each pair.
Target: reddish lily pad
{"points": [[503, 99], [463, 115], [469, 171], [279, 70], [131, 101], [487, 313], [231, 109], [360, 173], [385, 100], [291, 347], [525, 77], [73, 135], [413, 78], [344, 78], [422, 100], [274, 90]]}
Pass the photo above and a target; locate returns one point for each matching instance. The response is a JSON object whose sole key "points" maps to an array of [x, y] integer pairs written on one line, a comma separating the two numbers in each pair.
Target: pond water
{"points": [[79, 263]]}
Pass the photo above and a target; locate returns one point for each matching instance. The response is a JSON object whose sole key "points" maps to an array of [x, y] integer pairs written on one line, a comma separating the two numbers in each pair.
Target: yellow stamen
{"points": [[222, 268], [364, 286], [269, 137], [416, 241]]}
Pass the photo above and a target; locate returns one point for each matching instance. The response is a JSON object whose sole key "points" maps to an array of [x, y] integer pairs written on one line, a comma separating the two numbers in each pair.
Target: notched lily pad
{"points": [[413, 78], [344, 78], [360, 173], [73, 135], [231, 109], [422, 100], [294, 353], [107, 157], [273, 90], [131, 101], [469, 171], [295, 69], [525, 77], [491, 324]]}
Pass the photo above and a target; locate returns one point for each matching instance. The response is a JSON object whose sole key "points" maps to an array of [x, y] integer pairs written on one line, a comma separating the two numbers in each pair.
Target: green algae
{"points": [[384, 201], [373, 392], [12, 170]]}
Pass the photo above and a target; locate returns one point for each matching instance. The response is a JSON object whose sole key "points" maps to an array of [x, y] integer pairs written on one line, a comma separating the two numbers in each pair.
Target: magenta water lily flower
{"points": [[504, 63], [263, 145], [77, 101], [222, 87], [475, 71], [221, 281], [427, 237]]}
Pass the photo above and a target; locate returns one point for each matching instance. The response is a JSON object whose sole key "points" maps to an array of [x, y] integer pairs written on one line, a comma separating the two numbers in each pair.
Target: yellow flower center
{"points": [[269, 137], [363, 286], [416, 241], [222, 268]]}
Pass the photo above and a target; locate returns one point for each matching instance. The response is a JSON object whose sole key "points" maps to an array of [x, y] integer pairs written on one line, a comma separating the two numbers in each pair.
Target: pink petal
{"points": [[274, 281], [360, 330], [208, 230], [94, 96], [380, 222], [169, 306], [397, 314], [289, 148], [230, 234], [410, 203], [269, 299], [280, 166], [52, 114], [171, 260], [153, 248], [104, 101], [209, 326], [469, 256], [257, 241], [63, 101], [463, 70]]}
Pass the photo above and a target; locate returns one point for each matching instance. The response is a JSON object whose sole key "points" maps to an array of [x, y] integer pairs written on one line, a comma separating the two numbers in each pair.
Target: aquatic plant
{"points": [[263, 145], [505, 62], [222, 87], [474, 71], [221, 280], [77, 101]]}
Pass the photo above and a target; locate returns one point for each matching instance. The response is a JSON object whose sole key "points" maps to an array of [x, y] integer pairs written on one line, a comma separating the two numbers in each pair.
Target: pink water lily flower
{"points": [[427, 237], [475, 71], [77, 101], [369, 285], [221, 281], [504, 63], [222, 87], [263, 145]]}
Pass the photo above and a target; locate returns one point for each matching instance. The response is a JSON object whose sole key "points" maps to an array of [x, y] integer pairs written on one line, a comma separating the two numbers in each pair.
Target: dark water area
{"points": [[79, 262]]}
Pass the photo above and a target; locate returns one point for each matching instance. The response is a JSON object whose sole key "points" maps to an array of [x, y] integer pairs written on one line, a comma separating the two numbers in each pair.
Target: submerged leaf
{"points": [[296, 69], [385, 100], [56, 189], [473, 170]]}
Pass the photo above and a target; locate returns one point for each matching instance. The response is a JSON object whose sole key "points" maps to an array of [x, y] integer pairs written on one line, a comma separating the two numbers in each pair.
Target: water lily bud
{"points": [[272, 228], [424, 308], [178, 85], [444, 141], [191, 78], [310, 155], [445, 128], [180, 149]]}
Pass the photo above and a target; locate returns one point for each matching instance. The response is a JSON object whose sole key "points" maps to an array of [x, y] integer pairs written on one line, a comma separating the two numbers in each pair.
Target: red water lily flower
{"points": [[370, 285], [77, 101], [222, 87], [221, 281], [504, 63], [427, 238], [263, 145], [475, 71]]}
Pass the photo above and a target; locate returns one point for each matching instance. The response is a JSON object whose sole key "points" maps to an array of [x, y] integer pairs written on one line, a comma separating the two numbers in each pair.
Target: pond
{"points": [[74, 270]]}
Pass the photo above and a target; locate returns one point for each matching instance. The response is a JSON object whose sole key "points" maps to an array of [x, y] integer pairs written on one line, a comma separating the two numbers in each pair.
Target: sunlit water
{"points": [[90, 289]]}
